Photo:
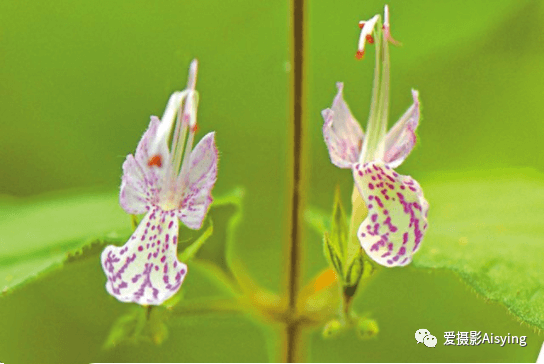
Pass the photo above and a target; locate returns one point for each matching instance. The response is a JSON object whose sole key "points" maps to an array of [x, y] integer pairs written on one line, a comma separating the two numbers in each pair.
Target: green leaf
{"points": [[488, 227], [317, 219], [226, 213], [37, 233], [192, 249]]}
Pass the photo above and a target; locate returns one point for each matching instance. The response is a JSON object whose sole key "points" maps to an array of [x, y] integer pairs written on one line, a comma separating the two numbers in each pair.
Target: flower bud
{"points": [[332, 329], [367, 328]]}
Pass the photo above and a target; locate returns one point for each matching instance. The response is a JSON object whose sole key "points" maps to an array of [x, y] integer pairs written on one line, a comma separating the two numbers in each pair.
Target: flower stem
{"points": [[294, 248]]}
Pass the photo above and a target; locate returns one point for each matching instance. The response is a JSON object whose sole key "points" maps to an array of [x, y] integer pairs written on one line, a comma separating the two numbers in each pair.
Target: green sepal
{"points": [[140, 324], [333, 256], [335, 242], [339, 225], [354, 271]]}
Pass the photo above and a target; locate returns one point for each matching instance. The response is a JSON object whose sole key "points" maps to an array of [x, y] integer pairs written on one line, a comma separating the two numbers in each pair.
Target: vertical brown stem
{"points": [[292, 334]]}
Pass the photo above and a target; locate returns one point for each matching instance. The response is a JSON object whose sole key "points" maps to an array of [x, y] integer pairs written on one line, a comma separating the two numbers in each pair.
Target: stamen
{"points": [[387, 28], [366, 35], [156, 160], [386, 16], [193, 69], [185, 164], [166, 124], [359, 55], [186, 119], [178, 142], [361, 24]]}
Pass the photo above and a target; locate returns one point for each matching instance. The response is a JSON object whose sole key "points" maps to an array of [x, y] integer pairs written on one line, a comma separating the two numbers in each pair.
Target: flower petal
{"points": [[342, 132], [400, 140], [200, 181], [146, 269], [140, 182], [397, 214]]}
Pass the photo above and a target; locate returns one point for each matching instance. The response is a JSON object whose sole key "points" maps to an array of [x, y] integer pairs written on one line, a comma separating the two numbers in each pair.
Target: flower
{"points": [[167, 185], [397, 211]]}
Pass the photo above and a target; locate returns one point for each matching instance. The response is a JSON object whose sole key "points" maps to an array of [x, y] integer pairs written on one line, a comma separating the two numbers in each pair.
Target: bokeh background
{"points": [[80, 80]]}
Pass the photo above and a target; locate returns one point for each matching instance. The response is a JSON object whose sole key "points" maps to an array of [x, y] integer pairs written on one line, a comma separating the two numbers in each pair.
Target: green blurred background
{"points": [[80, 80]]}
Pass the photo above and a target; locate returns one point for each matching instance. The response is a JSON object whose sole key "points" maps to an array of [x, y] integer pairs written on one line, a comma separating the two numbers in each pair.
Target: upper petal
{"points": [[146, 269], [136, 195], [140, 183], [144, 148], [400, 140], [397, 214], [343, 134], [200, 180]]}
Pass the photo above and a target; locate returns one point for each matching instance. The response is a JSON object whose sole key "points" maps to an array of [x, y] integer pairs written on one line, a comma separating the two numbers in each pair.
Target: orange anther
{"points": [[156, 160], [359, 55]]}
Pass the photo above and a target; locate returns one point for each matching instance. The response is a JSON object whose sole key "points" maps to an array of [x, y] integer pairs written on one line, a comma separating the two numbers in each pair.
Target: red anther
{"points": [[359, 55], [156, 160], [361, 24], [194, 129], [370, 39]]}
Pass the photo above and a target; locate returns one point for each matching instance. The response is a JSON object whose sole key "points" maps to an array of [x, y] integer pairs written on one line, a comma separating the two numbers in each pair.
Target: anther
{"points": [[359, 55], [361, 24], [156, 160], [370, 39]]}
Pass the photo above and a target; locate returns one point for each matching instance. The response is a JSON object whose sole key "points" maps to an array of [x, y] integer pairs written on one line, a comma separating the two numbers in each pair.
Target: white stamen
{"points": [[167, 120], [386, 16], [191, 103], [178, 142], [184, 104], [183, 146], [193, 69], [185, 165], [387, 27], [368, 29]]}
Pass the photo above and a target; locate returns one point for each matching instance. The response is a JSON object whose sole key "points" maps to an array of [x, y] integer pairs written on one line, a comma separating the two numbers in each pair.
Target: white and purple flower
{"points": [[168, 185], [397, 211]]}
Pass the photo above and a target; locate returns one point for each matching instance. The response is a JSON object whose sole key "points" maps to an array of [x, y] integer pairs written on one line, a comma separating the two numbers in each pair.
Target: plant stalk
{"points": [[292, 325]]}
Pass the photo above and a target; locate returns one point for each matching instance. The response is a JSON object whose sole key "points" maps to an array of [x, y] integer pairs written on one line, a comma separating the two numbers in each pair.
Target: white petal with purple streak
{"points": [[146, 269], [397, 214]]}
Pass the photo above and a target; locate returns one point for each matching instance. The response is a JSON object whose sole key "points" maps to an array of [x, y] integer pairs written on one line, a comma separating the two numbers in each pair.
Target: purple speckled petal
{"points": [[200, 181], [141, 182], [400, 140], [343, 134], [146, 269], [397, 214]]}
